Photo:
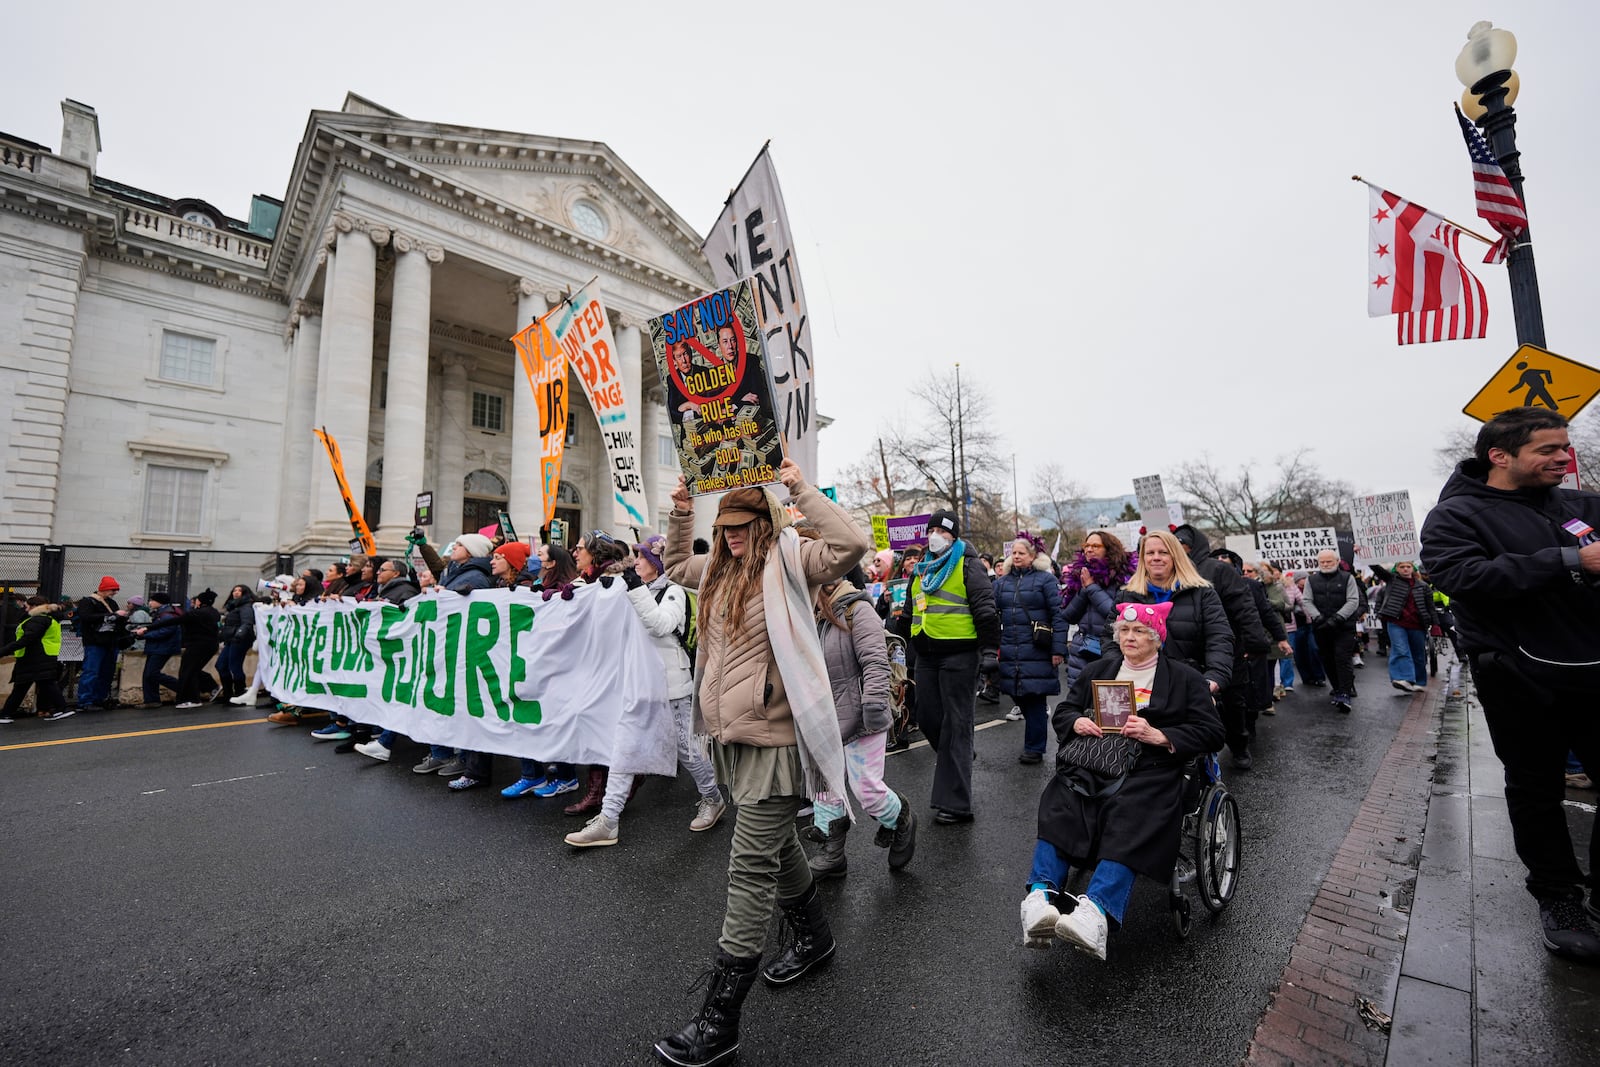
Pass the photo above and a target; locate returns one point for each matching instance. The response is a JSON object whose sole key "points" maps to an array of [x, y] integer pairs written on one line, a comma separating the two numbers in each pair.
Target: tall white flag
{"points": [[751, 238]]}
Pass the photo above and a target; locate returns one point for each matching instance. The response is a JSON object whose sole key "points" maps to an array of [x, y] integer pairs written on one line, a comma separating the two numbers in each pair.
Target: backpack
{"points": [[689, 631]]}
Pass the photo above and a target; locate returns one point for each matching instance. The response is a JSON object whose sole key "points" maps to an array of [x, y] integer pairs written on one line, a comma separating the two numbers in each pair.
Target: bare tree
{"points": [[881, 483], [1061, 496], [950, 426], [1295, 493]]}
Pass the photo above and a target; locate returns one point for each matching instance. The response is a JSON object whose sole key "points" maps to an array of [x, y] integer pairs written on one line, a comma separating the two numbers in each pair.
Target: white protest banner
{"points": [[583, 330], [1128, 534], [1148, 492], [1243, 546], [751, 237], [1384, 529], [1295, 550], [502, 671]]}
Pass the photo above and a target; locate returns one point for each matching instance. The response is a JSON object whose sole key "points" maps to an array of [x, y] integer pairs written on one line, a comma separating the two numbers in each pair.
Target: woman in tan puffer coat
{"points": [[742, 703]]}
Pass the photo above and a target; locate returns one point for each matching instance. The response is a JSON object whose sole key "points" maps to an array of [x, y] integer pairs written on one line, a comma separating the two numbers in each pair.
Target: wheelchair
{"points": [[1209, 849]]}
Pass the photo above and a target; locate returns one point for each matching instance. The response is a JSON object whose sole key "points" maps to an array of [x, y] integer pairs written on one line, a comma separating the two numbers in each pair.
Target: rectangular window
{"points": [[185, 358], [666, 453], [488, 411], [383, 391], [173, 499], [572, 429]]}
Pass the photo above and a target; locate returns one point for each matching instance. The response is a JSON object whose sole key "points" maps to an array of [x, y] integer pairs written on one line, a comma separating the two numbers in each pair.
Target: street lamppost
{"points": [[961, 431], [1484, 67]]}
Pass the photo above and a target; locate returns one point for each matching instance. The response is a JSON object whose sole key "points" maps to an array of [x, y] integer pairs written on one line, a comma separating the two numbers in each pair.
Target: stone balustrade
{"points": [[193, 235], [17, 157]]}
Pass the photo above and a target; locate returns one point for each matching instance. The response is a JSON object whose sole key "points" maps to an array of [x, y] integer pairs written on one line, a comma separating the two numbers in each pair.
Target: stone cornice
{"points": [[165, 263]]}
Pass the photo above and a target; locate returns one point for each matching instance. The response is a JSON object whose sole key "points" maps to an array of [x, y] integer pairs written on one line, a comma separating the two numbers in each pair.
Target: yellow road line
{"points": [[134, 733]]}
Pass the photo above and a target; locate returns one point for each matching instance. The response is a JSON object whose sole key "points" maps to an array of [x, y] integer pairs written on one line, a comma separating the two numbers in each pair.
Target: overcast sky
{"points": [[1135, 225]]}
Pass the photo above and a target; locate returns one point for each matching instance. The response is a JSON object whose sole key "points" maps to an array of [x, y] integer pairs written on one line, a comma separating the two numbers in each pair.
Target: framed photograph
{"points": [[1114, 705]]}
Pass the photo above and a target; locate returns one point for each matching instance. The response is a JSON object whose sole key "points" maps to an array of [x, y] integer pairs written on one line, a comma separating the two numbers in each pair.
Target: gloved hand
{"points": [[875, 718], [631, 579], [989, 661], [606, 580]]}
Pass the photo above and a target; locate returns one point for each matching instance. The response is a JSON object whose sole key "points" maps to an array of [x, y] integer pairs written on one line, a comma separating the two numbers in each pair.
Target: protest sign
{"points": [[907, 530], [500, 671], [897, 594], [362, 542], [1244, 546], [1384, 529], [423, 515], [1295, 550], [545, 366], [1148, 492], [880, 532], [751, 238], [1128, 534], [719, 396], [583, 330]]}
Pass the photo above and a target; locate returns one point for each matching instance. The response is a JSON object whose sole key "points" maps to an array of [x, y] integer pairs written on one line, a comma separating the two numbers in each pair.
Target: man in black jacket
{"points": [[1519, 559], [1240, 712], [1333, 603]]}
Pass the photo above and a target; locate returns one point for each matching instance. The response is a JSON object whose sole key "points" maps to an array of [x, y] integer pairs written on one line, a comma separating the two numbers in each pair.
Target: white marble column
{"points": [[405, 419], [300, 406], [346, 400], [655, 475], [456, 399], [527, 490], [630, 341]]}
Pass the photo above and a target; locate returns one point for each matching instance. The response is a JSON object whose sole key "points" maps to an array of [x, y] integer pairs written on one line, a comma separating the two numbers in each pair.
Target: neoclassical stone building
{"points": [[162, 365]]}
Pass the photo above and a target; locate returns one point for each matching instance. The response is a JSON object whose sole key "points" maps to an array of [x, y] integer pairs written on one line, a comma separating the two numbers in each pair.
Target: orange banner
{"points": [[545, 364], [358, 525]]}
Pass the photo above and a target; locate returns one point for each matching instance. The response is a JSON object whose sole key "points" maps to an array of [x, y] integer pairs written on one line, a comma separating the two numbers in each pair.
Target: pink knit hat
{"points": [[1151, 615]]}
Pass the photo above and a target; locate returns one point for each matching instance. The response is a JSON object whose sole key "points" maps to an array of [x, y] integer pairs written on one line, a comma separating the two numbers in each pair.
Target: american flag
{"points": [[1498, 203], [1469, 317]]}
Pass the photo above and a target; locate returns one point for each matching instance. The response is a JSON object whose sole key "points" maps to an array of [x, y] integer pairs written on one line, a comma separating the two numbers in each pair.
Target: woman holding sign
{"points": [[763, 698]]}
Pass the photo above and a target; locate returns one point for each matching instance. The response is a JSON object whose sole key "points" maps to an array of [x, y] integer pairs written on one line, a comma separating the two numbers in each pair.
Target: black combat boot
{"points": [[810, 939], [831, 861], [712, 1036]]}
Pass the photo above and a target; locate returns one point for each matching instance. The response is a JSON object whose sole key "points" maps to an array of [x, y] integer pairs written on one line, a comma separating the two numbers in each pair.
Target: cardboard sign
{"points": [[719, 396], [1384, 529], [880, 532], [1533, 377], [907, 530], [1148, 492], [424, 513], [1296, 550], [507, 531]]}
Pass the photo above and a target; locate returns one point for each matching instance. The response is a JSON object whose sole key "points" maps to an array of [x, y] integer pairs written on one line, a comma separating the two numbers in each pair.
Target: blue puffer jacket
{"points": [[164, 637], [1091, 608], [472, 573], [1024, 598]]}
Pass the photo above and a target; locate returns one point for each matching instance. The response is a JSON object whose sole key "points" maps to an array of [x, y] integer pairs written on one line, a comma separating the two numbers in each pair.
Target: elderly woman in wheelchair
{"points": [[1115, 806]]}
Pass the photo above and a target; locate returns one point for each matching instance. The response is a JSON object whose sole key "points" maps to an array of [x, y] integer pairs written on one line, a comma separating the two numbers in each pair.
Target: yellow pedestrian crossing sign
{"points": [[1534, 378]]}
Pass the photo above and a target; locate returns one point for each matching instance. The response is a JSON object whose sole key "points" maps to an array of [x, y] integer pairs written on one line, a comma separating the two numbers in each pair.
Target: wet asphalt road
{"points": [[245, 896]]}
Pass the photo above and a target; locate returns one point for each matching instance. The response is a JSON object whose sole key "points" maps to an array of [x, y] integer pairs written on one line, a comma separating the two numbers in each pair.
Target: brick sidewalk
{"points": [[1352, 941]]}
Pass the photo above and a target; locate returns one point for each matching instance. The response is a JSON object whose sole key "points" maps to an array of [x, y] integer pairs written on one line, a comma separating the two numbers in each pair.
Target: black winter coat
{"points": [[1138, 825], [1271, 621], [34, 664], [1023, 599], [1197, 631], [398, 590], [1393, 601], [239, 622], [163, 637], [1513, 575], [202, 628], [93, 615], [1237, 603]]}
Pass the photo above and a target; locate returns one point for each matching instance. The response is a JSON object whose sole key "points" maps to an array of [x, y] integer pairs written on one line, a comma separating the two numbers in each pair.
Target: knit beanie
{"points": [[108, 584], [475, 544], [515, 553], [1151, 615]]}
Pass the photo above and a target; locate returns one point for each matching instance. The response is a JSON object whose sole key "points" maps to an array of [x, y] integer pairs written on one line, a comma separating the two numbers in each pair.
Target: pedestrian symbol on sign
{"points": [[1533, 377]]}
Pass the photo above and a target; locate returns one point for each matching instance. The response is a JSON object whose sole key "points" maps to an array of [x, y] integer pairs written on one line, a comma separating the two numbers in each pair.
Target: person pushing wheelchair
{"points": [[1114, 806]]}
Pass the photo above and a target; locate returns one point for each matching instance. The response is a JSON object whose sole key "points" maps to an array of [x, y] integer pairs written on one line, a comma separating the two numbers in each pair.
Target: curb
{"points": [[1350, 947]]}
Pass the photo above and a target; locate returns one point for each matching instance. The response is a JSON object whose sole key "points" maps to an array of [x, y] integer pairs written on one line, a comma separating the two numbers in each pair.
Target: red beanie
{"points": [[108, 584], [516, 553]]}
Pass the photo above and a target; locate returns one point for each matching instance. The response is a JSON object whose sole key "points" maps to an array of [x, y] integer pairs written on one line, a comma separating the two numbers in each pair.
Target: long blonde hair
{"points": [[741, 576], [1183, 571]]}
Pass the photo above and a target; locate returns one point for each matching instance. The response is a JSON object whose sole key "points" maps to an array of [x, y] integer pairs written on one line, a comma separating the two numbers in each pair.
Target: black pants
{"points": [[1238, 718], [1337, 644], [1532, 734], [192, 674], [1263, 672], [946, 687], [47, 699]]}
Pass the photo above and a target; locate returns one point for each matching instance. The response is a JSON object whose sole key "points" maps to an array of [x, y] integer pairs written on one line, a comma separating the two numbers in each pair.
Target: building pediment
{"points": [[579, 194]]}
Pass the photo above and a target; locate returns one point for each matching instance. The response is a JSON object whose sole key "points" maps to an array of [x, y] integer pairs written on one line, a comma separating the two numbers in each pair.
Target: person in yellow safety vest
{"points": [[37, 648], [953, 625]]}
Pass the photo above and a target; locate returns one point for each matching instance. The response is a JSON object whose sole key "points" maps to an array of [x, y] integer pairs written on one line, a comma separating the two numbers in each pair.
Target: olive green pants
{"points": [[766, 863]]}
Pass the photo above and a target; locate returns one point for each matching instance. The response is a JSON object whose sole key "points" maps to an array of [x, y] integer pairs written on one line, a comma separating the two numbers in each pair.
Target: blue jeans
{"points": [[230, 663], [1035, 722], [1408, 654], [1306, 656], [1110, 885], [1286, 672], [155, 676], [94, 684]]}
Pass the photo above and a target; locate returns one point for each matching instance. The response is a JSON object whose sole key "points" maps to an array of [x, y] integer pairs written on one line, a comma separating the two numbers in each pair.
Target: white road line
{"points": [[151, 792], [924, 743], [241, 778], [1580, 805]]}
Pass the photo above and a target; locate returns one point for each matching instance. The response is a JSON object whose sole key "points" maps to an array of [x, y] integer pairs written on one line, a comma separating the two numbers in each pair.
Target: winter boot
{"points": [[831, 861], [712, 1036], [593, 797], [810, 939], [247, 698]]}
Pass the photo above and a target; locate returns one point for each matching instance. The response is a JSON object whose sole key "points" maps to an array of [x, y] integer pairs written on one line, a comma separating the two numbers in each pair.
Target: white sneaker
{"points": [[375, 750], [1084, 928], [1039, 919], [598, 831], [1014, 715], [245, 699], [707, 815], [187, 704]]}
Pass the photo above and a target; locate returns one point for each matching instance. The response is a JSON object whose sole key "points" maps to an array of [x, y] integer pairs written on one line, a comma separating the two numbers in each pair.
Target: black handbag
{"points": [[1108, 756], [1043, 636]]}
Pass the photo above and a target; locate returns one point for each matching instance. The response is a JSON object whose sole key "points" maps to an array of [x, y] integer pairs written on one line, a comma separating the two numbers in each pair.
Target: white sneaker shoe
{"points": [[1084, 928], [1014, 715], [598, 831], [1039, 919], [375, 750], [246, 699]]}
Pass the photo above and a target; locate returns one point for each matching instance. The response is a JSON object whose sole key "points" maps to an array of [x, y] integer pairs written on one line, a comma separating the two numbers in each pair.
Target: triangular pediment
{"points": [[582, 187]]}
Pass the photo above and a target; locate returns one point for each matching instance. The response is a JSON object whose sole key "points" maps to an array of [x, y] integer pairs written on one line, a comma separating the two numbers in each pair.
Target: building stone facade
{"points": [[162, 366]]}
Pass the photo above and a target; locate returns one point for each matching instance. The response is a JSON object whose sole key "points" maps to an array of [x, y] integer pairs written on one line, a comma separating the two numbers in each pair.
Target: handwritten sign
{"points": [[1296, 550], [880, 532], [1384, 529]]}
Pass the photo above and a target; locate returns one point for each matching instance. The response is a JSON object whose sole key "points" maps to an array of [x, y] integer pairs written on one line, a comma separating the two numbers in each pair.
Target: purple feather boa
{"points": [[1099, 569]]}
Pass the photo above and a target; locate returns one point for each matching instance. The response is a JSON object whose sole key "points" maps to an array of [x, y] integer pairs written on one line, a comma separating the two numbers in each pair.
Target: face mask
{"points": [[939, 543]]}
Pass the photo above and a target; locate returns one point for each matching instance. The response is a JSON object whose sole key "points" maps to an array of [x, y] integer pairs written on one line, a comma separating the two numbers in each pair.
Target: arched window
{"points": [[485, 493], [566, 494], [485, 483]]}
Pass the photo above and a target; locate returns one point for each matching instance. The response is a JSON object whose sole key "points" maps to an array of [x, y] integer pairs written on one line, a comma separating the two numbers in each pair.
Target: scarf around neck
{"points": [[935, 569], [1160, 595]]}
